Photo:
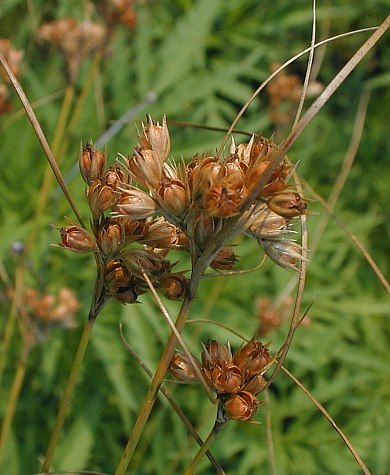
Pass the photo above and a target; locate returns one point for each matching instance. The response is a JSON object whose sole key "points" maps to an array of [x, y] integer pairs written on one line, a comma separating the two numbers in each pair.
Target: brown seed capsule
{"points": [[283, 252], [181, 368], [146, 168], [114, 177], [264, 223], [173, 197], [241, 406], [173, 286], [288, 204], [252, 358], [155, 137], [92, 163], [221, 201], [224, 260], [111, 237], [135, 204], [161, 234], [224, 378], [77, 239], [119, 283], [254, 384], [138, 261], [214, 354], [202, 174], [101, 197]]}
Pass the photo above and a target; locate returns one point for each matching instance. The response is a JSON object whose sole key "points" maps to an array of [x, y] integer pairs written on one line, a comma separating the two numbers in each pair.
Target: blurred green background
{"points": [[201, 61]]}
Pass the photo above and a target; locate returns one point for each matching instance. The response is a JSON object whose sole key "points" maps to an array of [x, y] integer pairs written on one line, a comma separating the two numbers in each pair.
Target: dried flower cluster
{"points": [[76, 40], [14, 59], [146, 206], [237, 378], [179, 207], [272, 317]]}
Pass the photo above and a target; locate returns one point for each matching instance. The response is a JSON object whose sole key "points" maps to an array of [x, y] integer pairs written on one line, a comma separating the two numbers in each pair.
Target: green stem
{"points": [[154, 388], [206, 446], [73, 376], [15, 391]]}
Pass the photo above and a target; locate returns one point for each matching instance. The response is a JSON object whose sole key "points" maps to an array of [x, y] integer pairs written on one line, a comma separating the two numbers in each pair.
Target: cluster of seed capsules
{"points": [[237, 378], [146, 205]]}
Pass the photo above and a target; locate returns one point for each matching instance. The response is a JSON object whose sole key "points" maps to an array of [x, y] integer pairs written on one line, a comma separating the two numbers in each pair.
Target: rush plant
{"points": [[220, 237]]}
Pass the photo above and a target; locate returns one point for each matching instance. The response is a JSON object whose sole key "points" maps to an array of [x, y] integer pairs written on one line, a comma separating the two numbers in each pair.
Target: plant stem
{"points": [[154, 388], [15, 391], [206, 446], [73, 376]]}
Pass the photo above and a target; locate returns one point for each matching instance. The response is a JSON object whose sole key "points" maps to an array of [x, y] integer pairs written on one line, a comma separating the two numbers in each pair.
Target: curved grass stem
{"points": [[205, 447], [73, 377], [15, 391], [154, 388]]}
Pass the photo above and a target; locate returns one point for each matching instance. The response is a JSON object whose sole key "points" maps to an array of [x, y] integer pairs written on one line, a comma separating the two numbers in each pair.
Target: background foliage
{"points": [[202, 60]]}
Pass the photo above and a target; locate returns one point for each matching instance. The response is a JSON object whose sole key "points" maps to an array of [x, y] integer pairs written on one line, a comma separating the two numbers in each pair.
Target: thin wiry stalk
{"points": [[205, 447], [321, 408], [168, 318], [275, 73], [66, 398], [151, 395], [12, 315], [41, 136], [268, 430], [308, 69], [172, 402], [43, 194], [15, 391], [345, 168], [374, 266], [295, 320]]}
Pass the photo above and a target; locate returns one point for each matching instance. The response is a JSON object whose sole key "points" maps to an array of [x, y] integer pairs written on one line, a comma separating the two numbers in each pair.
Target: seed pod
{"points": [[221, 201], [138, 261], [288, 204], [111, 237], [173, 286], [146, 168], [202, 174], [264, 224], [114, 177], [283, 252], [254, 384], [161, 234], [173, 197], [241, 406], [135, 204], [224, 260], [252, 358], [214, 354], [181, 368], [119, 282], [101, 197], [91, 163], [155, 137], [77, 239], [224, 377]]}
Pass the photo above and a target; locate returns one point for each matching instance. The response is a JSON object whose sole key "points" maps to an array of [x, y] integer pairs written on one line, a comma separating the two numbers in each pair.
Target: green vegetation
{"points": [[199, 62]]}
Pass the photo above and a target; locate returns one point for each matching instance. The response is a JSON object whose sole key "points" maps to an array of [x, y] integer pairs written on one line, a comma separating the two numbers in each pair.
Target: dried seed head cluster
{"points": [[237, 378], [146, 205], [76, 40], [44, 311], [14, 59]]}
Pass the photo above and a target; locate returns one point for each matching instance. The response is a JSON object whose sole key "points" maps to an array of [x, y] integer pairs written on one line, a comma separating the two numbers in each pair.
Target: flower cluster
{"points": [[237, 378], [76, 40], [145, 206]]}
